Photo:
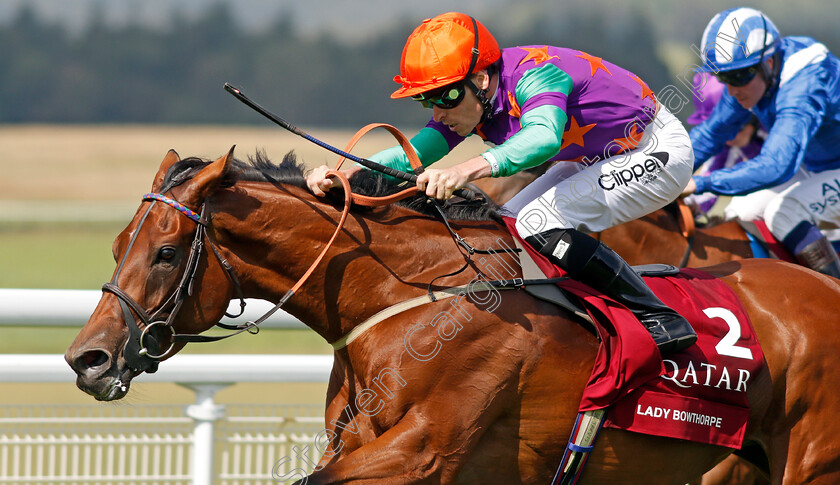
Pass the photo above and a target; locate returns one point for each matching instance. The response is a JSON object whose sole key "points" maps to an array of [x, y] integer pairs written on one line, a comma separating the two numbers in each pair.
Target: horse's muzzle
{"points": [[97, 374]]}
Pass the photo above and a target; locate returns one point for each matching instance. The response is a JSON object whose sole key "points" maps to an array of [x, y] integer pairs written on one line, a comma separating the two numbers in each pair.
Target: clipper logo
{"points": [[831, 197], [641, 172]]}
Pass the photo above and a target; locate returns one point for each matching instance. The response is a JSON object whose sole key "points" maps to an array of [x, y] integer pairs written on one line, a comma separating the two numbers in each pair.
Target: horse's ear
{"points": [[207, 180], [170, 159]]}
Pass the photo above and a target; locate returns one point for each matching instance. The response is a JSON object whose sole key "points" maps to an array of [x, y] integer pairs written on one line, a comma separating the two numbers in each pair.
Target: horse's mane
{"points": [[259, 168]]}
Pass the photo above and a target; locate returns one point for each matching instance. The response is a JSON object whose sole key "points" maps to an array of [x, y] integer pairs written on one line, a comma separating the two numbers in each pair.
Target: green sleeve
{"points": [[429, 144], [541, 135]]}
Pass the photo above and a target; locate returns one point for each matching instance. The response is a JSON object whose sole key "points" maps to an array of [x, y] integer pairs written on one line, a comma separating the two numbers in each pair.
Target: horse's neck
{"points": [[376, 261]]}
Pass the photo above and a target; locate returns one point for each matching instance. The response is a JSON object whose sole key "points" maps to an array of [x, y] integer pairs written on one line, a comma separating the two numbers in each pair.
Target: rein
{"points": [[417, 167]]}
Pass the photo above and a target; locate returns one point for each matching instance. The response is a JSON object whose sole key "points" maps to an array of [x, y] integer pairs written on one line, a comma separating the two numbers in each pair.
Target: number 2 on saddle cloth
{"points": [[699, 394]]}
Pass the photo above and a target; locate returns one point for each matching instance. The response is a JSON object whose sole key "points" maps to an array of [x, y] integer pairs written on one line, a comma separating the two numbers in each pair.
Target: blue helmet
{"points": [[737, 38]]}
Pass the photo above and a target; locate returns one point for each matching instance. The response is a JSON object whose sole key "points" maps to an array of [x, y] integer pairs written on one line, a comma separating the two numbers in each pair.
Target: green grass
{"points": [[62, 256], [56, 256]]}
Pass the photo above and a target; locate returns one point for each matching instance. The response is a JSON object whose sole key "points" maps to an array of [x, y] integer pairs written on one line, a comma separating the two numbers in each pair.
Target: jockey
{"points": [[623, 155], [745, 145], [792, 85]]}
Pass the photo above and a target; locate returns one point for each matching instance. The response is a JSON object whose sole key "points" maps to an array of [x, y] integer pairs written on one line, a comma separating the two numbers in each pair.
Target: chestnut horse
{"points": [[489, 396], [654, 238]]}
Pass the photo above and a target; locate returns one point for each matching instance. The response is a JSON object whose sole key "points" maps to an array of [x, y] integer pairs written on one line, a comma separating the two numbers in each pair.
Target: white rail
{"points": [[74, 307], [205, 374], [182, 369]]}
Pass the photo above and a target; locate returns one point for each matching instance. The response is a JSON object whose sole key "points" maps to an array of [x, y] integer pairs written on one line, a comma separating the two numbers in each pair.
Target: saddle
{"points": [[552, 293], [762, 242]]}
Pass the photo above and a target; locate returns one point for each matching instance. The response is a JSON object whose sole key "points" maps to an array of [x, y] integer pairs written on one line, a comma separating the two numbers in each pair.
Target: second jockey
{"points": [[792, 85]]}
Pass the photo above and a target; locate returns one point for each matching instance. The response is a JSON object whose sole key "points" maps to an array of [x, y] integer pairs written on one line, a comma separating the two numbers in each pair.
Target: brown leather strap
{"points": [[412, 159], [346, 210], [685, 219]]}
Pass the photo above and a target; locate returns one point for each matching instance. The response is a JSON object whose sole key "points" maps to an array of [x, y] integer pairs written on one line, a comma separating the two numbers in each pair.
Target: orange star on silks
{"points": [[629, 142], [575, 133], [646, 91], [515, 111], [595, 63], [537, 55], [479, 132]]}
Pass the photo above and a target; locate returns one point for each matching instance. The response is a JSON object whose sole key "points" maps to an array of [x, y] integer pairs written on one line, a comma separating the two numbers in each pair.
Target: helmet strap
{"points": [[771, 74], [481, 94]]}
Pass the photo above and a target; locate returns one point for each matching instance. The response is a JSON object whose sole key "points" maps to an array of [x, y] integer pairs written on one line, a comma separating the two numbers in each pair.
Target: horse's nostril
{"points": [[91, 359]]}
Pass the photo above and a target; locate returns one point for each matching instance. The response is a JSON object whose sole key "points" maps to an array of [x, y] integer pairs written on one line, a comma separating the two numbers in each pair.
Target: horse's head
{"points": [[162, 262]]}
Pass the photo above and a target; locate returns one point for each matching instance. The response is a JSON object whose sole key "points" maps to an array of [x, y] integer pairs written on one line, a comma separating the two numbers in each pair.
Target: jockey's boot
{"points": [[598, 266], [820, 256]]}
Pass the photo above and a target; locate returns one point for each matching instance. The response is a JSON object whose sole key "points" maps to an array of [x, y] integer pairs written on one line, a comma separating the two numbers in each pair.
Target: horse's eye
{"points": [[166, 253]]}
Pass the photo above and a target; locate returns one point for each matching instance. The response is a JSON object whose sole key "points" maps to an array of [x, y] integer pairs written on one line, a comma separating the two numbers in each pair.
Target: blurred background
{"points": [[320, 62], [92, 95]]}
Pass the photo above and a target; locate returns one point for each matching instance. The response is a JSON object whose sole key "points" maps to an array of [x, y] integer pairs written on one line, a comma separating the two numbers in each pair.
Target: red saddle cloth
{"points": [[702, 396], [698, 394]]}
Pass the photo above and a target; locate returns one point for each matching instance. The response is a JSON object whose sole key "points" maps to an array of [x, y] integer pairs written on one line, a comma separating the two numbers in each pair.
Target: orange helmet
{"points": [[443, 50]]}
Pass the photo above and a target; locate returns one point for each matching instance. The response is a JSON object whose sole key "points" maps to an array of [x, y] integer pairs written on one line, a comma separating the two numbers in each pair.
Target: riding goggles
{"points": [[737, 77], [446, 97]]}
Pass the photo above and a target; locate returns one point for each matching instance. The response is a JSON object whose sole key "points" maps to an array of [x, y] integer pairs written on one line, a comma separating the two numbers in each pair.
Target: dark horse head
{"points": [[156, 276]]}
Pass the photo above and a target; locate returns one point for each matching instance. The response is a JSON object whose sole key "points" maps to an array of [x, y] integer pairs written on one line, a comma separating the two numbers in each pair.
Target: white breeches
{"points": [[612, 191]]}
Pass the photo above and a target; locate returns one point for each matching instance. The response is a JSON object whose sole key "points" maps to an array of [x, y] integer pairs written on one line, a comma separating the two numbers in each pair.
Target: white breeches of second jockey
{"points": [[813, 197], [808, 196], [751, 207], [612, 191]]}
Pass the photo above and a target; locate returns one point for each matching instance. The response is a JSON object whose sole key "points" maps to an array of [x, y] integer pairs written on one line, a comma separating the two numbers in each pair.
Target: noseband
{"points": [[142, 349]]}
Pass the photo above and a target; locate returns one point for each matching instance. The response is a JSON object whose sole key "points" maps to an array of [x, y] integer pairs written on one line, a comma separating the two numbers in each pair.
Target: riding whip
{"points": [[398, 174]]}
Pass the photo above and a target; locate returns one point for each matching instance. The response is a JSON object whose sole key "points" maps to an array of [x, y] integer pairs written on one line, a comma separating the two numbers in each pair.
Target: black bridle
{"points": [[142, 351]]}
